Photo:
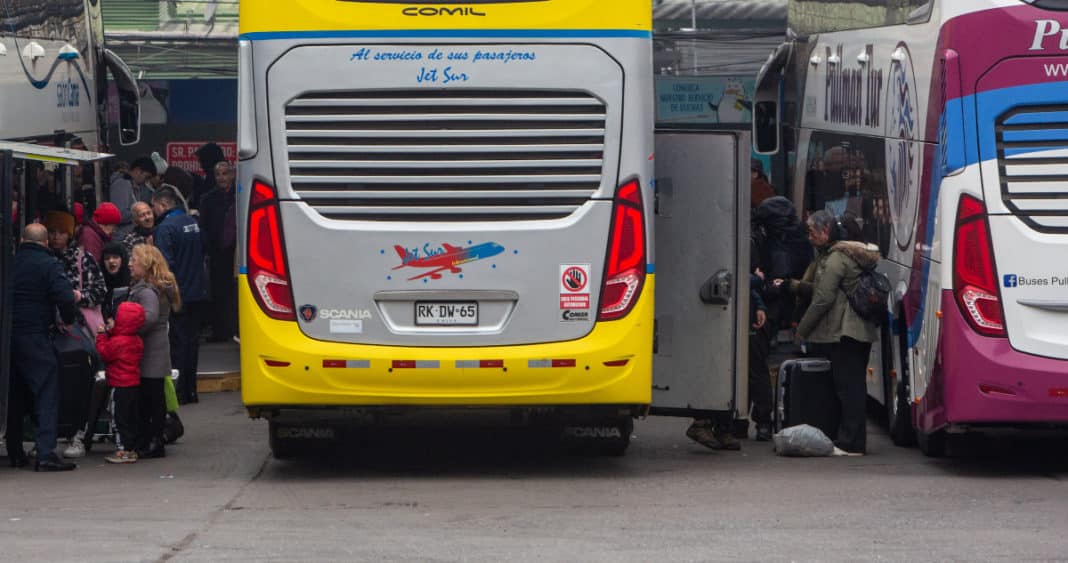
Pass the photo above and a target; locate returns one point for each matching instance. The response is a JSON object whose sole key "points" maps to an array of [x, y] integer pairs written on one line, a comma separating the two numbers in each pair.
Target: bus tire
{"points": [[932, 444], [288, 441], [281, 448], [898, 406], [618, 447]]}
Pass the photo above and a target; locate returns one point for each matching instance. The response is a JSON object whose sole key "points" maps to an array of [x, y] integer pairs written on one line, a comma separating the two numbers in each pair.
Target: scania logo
{"points": [[308, 312], [429, 11]]}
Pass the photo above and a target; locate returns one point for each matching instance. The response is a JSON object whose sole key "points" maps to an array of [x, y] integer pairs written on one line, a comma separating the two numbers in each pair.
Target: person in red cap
{"points": [[96, 232]]}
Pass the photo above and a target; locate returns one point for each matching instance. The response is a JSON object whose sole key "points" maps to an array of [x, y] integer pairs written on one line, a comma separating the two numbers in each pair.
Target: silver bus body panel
{"points": [[701, 361], [344, 245]]}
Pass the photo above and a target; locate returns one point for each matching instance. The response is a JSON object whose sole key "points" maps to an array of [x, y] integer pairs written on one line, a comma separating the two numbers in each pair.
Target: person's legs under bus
{"points": [[760, 384], [848, 369]]}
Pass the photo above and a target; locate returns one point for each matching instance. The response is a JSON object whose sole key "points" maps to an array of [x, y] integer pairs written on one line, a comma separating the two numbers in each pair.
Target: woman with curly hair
{"points": [[155, 289]]}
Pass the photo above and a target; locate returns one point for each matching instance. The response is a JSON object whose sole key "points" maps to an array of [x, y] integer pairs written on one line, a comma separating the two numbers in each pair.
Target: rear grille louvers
{"points": [[445, 155], [1032, 145]]}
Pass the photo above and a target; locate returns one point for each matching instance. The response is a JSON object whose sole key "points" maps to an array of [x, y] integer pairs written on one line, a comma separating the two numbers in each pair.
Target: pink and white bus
{"points": [[942, 125]]}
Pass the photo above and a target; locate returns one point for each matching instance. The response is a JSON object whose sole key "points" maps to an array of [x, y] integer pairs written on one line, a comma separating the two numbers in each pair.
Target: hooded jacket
{"points": [[122, 348], [834, 273], [93, 238]]}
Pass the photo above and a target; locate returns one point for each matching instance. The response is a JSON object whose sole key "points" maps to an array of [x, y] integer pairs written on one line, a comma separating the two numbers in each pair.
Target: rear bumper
{"points": [[442, 376], [1019, 388]]}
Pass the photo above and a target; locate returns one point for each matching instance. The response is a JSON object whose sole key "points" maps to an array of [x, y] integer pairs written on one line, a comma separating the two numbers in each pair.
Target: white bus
{"points": [[943, 125]]}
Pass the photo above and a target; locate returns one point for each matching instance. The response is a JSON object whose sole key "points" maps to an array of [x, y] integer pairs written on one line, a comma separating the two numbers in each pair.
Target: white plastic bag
{"points": [[803, 441]]}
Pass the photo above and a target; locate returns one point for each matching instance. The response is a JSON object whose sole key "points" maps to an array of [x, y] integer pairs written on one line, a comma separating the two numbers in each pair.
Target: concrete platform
{"points": [[219, 368]]}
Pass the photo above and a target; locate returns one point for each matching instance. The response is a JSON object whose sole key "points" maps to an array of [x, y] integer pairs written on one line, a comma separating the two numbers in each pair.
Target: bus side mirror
{"points": [[129, 99], [766, 130], [767, 118]]}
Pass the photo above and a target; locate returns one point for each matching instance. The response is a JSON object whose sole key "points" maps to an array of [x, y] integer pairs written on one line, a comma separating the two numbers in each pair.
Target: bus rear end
{"points": [[1003, 358], [445, 207]]}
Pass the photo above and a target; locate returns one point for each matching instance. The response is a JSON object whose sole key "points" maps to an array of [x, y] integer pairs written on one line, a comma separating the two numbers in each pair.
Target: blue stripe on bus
{"points": [[1053, 134], [243, 270], [650, 268], [451, 33]]}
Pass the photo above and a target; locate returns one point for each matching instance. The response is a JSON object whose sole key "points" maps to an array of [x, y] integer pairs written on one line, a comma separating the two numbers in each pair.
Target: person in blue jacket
{"points": [[177, 236], [39, 287]]}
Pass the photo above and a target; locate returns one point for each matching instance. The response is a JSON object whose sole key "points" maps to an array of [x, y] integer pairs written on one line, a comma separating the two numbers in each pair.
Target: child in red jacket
{"points": [[121, 349]]}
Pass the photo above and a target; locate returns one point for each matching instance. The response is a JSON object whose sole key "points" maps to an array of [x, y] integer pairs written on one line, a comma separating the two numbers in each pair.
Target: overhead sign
{"points": [[704, 99], [184, 155]]}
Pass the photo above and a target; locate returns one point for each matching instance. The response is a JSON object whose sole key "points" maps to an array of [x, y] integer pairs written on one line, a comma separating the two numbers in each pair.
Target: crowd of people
{"points": [[801, 276], [133, 279]]}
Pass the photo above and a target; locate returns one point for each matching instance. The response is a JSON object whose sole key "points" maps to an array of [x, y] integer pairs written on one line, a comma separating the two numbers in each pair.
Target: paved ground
{"points": [[465, 495]]}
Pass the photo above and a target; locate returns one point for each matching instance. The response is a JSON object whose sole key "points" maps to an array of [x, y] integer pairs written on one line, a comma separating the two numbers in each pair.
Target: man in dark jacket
{"points": [[218, 213], [39, 287], [177, 236]]}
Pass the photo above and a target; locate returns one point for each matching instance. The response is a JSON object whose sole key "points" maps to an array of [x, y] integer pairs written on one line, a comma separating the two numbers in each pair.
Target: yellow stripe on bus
{"points": [[271, 16]]}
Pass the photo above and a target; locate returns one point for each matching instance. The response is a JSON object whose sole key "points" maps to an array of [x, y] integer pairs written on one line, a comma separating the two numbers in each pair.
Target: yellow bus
{"points": [[446, 205]]}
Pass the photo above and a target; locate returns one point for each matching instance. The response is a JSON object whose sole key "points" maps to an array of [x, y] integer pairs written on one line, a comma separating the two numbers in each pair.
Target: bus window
{"points": [[847, 175]]}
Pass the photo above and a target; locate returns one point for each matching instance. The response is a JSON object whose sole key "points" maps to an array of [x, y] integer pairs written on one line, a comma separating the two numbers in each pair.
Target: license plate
{"points": [[446, 313]]}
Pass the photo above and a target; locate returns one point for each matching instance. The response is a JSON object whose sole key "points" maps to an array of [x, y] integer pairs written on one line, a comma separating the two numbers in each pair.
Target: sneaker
{"points": [[838, 452], [76, 449], [122, 456], [237, 340]]}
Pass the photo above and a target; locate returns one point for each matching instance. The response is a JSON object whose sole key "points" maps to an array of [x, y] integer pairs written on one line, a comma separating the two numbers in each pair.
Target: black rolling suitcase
{"points": [[77, 368], [804, 394]]}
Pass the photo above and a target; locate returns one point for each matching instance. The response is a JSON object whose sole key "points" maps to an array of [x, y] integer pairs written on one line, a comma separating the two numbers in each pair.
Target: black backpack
{"points": [[869, 296]]}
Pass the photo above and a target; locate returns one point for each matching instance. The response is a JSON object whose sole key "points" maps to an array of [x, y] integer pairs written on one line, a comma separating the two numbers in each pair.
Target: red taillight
{"points": [[974, 274], [267, 272], [625, 266]]}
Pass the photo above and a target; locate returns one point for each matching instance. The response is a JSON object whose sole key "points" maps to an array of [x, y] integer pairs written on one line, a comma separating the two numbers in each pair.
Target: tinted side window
{"points": [[847, 176]]}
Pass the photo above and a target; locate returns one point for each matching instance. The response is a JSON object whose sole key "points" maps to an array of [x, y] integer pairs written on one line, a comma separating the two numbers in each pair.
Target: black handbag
{"points": [[76, 339]]}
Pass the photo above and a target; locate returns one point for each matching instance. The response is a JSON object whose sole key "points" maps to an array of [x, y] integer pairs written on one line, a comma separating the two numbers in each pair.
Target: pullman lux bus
{"points": [[445, 207], [943, 125]]}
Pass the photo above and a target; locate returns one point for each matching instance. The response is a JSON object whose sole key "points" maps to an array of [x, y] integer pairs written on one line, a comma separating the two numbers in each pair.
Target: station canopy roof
{"points": [[198, 38]]}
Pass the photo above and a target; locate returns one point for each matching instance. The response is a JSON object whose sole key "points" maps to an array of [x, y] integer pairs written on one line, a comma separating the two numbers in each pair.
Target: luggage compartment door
{"points": [[702, 281]]}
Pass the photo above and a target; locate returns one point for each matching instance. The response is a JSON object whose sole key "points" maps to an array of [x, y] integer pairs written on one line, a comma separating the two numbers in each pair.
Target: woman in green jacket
{"points": [[833, 329]]}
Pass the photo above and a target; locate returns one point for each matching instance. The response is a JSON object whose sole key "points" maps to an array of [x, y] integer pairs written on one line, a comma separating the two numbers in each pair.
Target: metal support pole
{"points": [[7, 246]]}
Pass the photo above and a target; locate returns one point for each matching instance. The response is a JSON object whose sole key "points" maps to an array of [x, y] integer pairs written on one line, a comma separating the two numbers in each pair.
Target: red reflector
{"points": [[625, 264], [974, 272], [403, 364], [1059, 392], [333, 363], [563, 363], [491, 363], [995, 390], [276, 363], [616, 363]]}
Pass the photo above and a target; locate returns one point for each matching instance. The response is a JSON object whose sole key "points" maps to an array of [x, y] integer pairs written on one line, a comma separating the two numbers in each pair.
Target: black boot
{"points": [[17, 459], [153, 450], [53, 463]]}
